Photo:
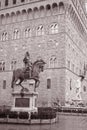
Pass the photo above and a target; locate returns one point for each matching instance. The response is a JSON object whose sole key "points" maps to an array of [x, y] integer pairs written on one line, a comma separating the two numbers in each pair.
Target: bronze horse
{"points": [[21, 74]]}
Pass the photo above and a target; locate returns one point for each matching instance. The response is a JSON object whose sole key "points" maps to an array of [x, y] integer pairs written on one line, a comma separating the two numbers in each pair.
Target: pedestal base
{"points": [[27, 103], [25, 100]]}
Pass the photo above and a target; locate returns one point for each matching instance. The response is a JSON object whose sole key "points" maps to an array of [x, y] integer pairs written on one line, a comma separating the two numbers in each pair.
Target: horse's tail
{"points": [[13, 78]]}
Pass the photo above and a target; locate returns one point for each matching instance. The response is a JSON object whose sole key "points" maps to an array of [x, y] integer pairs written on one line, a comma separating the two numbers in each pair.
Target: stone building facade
{"points": [[52, 29]]}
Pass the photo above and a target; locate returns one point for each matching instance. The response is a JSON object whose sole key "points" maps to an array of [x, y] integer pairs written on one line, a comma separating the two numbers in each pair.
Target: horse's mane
{"points": [[39, 62]]}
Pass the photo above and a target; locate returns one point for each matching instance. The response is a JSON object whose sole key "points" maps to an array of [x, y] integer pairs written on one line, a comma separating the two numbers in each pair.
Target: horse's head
{"points": [[40, 65]]}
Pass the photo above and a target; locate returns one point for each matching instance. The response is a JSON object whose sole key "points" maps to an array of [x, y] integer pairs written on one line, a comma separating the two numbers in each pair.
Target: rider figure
{"points": [[28, 63]]}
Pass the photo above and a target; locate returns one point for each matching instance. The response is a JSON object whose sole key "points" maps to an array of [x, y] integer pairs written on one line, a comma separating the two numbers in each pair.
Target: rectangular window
{"points": [[48, 83], [22, 0], [14, 1], [6, 2], [0, 4], [4, 84], [84, 88]]}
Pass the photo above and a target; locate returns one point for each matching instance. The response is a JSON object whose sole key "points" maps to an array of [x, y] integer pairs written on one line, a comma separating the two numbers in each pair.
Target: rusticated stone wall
{"points": [[53, 35]]}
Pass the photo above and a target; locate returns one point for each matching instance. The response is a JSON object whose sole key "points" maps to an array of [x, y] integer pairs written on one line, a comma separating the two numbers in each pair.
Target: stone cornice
{"points": [[20, 4], [77, 19], [80, 12]]}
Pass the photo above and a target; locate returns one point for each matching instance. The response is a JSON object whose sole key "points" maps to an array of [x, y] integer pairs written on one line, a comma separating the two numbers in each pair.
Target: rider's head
{"points": [[27, 54]]}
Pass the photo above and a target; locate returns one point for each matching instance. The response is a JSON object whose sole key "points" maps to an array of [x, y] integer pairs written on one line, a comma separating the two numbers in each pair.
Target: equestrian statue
{"points": [[30, 71]]}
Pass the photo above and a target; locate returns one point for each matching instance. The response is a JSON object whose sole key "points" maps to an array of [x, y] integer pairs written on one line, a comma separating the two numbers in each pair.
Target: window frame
{"points": [[4, 36], [4, 84], [48, 83], [13, 64], [53, 29], [27, 32], [22, 1], [14, 2], [6, 2], [2, 66], [16, 34], [40, 30]]}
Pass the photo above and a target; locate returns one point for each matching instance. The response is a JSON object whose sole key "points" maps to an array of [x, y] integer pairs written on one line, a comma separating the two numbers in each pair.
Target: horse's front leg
{"points": [[37, 82], [14, 83]]}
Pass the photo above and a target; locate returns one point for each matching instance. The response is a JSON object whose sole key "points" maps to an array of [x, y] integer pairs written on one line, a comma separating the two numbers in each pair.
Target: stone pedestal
{"points": [[25, 100]]}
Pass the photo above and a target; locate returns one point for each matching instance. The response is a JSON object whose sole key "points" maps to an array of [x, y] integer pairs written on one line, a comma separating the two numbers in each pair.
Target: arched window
{"points": [[53, 28], [48, 10], [16, 34], [2, 19], [18, 15], [27, 32], [24, 14], [53, 62], [42, 11], [13, 64], [7, 18], [54, 7], [40, 30], [13, 17], [61, 7], [36, 15], [4, 36], [30, 13], [48, 7], [61, 4], [2, 66]]}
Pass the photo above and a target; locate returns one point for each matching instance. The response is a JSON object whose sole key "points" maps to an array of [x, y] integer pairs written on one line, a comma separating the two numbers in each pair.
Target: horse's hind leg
{"points": [[21, 86], [24, 89]]}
